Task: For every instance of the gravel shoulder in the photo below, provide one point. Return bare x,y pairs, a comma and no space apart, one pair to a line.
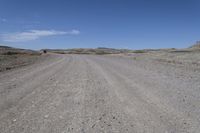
11,58
15,61
91,93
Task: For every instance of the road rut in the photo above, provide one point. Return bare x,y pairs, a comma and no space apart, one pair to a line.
89,93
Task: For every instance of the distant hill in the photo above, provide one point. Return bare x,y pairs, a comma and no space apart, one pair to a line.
4,47
100,50
196,46
6,50
13,57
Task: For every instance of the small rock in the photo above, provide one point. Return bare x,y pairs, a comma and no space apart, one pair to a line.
46,116
132,126
93,126
61,117
109,125
8,68
100,118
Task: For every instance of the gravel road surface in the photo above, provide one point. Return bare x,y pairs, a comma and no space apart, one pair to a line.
97,94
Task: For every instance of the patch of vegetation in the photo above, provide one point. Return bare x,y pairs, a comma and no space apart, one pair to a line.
180,51
10,53
139,51
59,52
20,53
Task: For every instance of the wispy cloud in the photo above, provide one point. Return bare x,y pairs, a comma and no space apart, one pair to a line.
3,20
34,34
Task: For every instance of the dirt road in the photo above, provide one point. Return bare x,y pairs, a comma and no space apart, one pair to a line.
92,94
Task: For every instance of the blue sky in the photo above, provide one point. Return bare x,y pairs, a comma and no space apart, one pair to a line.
134,24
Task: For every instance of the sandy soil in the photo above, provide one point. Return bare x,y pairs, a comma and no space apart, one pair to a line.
92,94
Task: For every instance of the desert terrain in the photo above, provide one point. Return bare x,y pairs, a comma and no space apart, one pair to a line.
143,91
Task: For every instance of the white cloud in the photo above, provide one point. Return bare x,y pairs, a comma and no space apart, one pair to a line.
34,34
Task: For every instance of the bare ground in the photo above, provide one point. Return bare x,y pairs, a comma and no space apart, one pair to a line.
11,58
91,94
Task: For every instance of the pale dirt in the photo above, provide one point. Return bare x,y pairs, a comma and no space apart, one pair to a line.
94,94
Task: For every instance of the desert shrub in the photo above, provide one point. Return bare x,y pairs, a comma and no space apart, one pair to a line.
59,52
139,51
10,53
44,51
